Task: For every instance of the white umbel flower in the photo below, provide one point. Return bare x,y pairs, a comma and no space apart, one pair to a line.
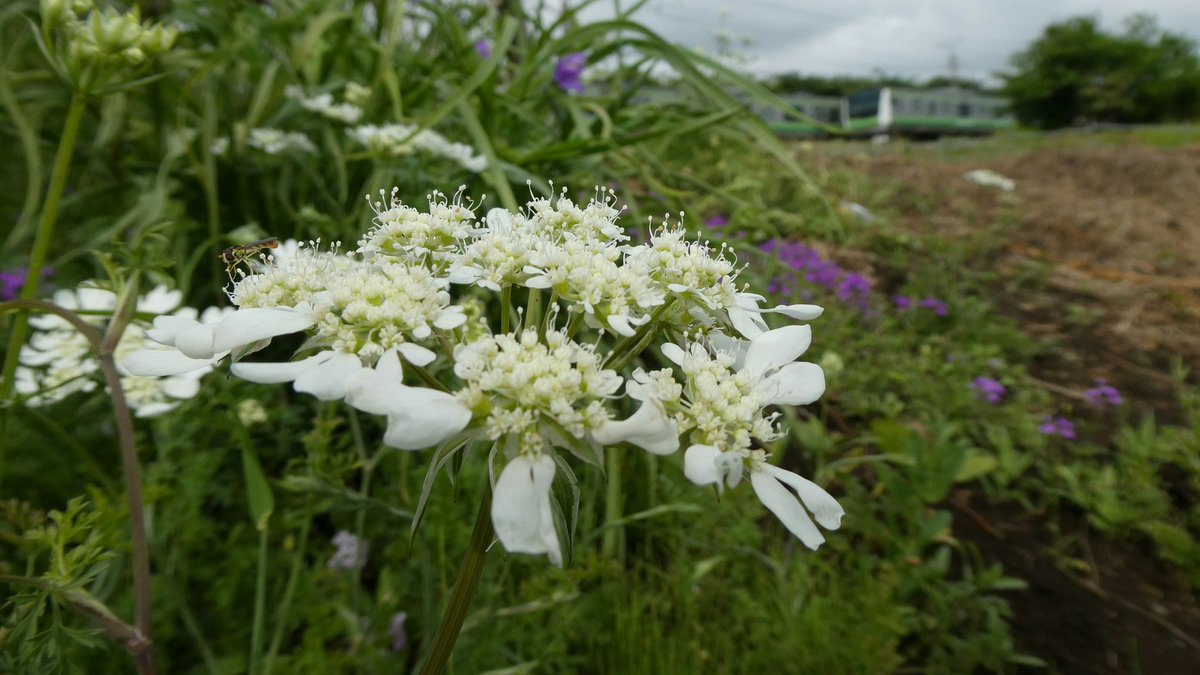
323,104
278,142
399,139
58,360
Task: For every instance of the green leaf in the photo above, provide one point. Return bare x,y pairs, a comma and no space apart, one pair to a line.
975,465
258,491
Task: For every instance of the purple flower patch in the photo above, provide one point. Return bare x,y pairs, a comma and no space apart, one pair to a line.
1058,426
484,49
852,289
397,632
716,222
1103,394
12,282
567,72
988,389
936,306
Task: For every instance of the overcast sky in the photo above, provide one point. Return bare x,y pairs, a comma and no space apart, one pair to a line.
913,38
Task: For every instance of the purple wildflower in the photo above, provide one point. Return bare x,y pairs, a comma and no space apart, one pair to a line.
988,389
1058,426
567,72
854,289
12,282
936,306
1103,394
484,49
903,303
397,633
351,553
716,222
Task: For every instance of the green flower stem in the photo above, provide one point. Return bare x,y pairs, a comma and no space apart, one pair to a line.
464,590
364,486
533,309
627,349
505,309
260,602
613,505
289,592
41,242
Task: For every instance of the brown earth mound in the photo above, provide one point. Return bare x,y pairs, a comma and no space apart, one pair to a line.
1111,234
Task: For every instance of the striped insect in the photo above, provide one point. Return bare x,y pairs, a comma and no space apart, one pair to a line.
245,253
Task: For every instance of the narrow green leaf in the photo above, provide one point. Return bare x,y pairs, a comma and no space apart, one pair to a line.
258,491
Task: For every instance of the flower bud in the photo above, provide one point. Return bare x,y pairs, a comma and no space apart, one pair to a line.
53,13
134,56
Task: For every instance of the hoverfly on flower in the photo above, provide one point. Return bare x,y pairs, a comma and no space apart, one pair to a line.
236,255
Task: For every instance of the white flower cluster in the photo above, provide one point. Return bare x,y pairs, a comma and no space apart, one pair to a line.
399,139
58,361
324,104
277,142
399,327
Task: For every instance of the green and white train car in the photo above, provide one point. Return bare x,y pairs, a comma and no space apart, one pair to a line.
824,111
921,112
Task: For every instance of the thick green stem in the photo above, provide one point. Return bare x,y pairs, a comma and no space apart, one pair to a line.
505,309
41,246
464,590
613,505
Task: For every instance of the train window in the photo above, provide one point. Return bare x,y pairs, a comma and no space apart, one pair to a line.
864,104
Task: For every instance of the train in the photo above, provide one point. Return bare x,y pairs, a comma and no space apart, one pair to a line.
891,110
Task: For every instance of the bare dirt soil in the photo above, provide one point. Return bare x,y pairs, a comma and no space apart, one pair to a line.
1098,251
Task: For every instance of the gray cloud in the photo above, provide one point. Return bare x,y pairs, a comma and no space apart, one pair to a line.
914,38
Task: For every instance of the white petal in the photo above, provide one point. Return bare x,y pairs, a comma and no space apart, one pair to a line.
197,342
274,373
540,281
416,354
649,428
464,275
327,380
258,323
776,347
620,324
799,312
167,328
389,365
700,465
453,317
824,507
181,387
427,418
674,352
159,300
159,362
724,343
521,510
373,392
749,324
797,383
785,507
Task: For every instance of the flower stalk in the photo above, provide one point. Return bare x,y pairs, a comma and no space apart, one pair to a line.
464,590
104,346
43,236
